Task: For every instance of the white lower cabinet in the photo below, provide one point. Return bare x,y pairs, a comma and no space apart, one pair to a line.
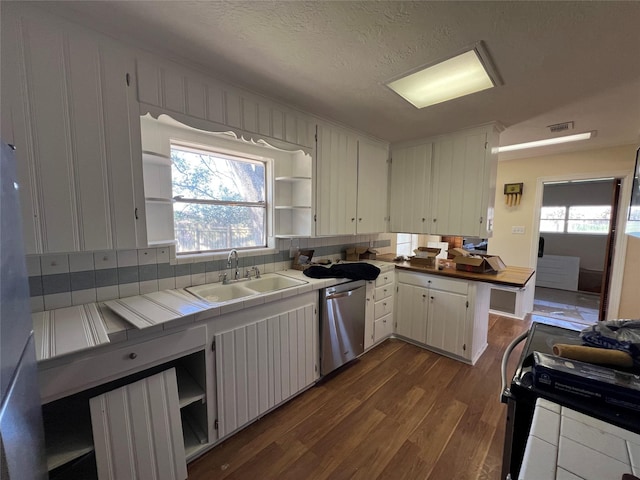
449,316
101,410
261,364
137,430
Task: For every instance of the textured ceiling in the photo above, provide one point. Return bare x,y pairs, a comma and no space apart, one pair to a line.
559,61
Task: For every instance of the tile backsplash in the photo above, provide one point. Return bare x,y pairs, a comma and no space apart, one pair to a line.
62,280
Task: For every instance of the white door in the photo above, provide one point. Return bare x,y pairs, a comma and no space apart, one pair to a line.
412,311
336,182
137,430
447,322
410,189
372,187
262,364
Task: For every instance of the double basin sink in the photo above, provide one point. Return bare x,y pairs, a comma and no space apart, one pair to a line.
218,293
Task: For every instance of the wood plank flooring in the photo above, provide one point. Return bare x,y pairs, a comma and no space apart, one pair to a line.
399,412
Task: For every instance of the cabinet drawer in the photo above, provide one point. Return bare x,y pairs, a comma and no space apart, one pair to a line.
383,327
384,278
383,307
434,282
91,370
384,292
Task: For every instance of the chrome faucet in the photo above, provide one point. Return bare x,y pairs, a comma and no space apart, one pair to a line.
233,254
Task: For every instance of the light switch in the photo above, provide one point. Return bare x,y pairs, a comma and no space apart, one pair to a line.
517,229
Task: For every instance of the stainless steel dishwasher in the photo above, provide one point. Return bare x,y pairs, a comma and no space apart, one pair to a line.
342,324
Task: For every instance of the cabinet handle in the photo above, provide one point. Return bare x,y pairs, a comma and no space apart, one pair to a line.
435,220
128,79
353,219
424,219
133,355
360,219
431,298
135,212
424,295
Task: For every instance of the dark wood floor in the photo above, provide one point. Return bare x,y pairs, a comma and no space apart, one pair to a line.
398,412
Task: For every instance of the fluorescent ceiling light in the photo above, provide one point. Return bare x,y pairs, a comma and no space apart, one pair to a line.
456,77
545,142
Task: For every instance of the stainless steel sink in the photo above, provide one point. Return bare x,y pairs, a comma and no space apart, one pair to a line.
218,293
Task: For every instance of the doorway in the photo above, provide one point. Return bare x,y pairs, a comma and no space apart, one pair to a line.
577,229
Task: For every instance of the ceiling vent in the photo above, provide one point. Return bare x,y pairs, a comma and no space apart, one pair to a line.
560,127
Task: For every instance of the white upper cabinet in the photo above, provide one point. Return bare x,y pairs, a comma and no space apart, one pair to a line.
372,187
411,188
463,184
336,181
77,136
445,185
351,183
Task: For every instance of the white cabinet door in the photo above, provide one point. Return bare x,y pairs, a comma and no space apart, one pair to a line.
459,189
447,322
412,312
75,139
336,182
262,364
137,430
410,189
372,187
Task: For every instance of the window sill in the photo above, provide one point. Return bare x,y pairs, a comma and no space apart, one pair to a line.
210,257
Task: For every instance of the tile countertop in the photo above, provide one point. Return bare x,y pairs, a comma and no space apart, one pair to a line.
72,329
566,445
511,276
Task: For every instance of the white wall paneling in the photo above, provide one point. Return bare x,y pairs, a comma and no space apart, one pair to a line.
174,88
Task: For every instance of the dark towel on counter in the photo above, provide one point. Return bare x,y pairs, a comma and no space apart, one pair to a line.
354,271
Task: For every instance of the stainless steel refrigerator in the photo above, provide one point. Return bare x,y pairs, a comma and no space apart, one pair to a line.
21,431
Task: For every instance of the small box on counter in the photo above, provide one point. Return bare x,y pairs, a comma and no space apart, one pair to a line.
355,254
591,383
302,259
425,256
475,263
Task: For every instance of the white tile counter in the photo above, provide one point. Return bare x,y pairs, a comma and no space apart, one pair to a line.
73,329
567,445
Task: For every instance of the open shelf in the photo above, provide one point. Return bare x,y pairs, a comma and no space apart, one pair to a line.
189,391
68,431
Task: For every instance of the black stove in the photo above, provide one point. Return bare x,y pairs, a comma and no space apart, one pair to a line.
521,395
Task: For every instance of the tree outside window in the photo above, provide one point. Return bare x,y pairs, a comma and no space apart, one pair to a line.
219,200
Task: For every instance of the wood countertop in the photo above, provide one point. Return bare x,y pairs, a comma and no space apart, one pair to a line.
511,276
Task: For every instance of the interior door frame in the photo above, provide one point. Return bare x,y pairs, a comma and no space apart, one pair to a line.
620,247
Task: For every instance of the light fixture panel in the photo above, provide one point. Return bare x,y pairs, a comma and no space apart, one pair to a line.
455,77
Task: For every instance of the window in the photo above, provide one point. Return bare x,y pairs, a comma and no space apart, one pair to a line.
576,219
552,219
593,220
219,200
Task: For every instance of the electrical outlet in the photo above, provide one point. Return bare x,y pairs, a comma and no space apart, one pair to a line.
517,229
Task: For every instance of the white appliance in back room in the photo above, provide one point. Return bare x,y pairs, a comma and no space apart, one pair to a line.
21,430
